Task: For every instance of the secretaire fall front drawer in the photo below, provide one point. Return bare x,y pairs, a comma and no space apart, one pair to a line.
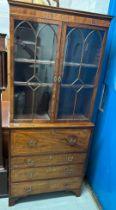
49,141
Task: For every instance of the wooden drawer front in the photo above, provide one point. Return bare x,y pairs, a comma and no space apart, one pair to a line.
47,160
29,188
49,140
18,175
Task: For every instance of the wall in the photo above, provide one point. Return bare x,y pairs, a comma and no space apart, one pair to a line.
97,6
4,17
102,160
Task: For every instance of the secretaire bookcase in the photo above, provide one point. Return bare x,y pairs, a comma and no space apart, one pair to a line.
55,58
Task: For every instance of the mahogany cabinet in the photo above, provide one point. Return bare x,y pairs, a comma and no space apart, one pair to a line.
3,85
55,60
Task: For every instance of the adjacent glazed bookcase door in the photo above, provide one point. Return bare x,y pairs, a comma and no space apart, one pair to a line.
82,52
35,52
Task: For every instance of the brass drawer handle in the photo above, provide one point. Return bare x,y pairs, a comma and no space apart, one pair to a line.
69,158
30,162
30,175
28,189
72,140
68,171
32,143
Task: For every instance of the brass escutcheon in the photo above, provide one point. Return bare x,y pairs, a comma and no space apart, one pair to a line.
72,140
28,189
69,158
29,162
30,175
32,143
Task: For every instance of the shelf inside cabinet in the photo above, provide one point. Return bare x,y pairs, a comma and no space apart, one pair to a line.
20,60
80,64
71,117
24,43
77,86
35,116
32,84
27,43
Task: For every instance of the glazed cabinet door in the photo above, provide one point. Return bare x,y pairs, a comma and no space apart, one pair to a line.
35,67
79,71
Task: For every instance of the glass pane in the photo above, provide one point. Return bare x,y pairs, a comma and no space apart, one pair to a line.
65,108
23,71
74,54
81,60
24,40
87,75
69,74
82,103
92,47
46,48
45,73
79,106
42,102
22,102
35,54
